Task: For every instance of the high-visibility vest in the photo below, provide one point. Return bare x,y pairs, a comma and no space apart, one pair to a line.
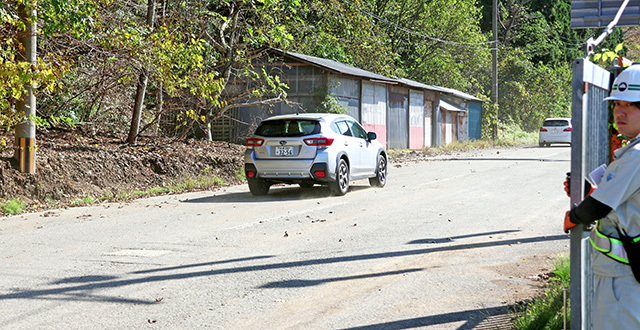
610,246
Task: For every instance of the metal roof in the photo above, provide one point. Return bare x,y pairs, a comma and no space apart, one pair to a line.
461,95
415,84
450,107
337,67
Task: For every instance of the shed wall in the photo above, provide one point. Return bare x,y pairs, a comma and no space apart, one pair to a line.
374,110
347,91
416,119
475,120
398,118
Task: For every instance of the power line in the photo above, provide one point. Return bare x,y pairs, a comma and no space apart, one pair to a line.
378,18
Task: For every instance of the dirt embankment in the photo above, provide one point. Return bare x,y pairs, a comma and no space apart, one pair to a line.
73,165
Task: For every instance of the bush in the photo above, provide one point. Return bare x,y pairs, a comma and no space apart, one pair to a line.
547,311
14,206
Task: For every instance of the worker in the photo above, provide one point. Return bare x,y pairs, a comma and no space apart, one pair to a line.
615,205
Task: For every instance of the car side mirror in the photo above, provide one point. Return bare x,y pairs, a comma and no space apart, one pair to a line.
371,136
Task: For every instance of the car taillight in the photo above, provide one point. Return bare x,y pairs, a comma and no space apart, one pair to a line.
253,142
542,129
568,129
322,142
319,174
251,174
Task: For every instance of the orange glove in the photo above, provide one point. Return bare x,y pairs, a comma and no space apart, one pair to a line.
567,223
588,186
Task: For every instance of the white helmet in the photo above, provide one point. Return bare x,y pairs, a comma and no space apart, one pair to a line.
626,87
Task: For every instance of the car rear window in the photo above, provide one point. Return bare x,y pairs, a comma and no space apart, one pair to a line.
294,127
555,123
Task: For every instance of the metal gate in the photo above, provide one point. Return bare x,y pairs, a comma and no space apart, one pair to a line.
590,148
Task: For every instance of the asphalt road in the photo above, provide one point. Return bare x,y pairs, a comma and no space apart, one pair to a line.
449,243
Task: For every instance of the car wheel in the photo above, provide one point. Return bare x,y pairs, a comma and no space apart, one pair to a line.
340,186
258,187
306,184
381,173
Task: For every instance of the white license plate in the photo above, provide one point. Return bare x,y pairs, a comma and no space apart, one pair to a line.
284,151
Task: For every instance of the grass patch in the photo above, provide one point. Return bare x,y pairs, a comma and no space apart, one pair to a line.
12,206
511,136
184,185
240,175
547,311
189,183
88,200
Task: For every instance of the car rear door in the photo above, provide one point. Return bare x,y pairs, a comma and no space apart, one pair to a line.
350,144
367,152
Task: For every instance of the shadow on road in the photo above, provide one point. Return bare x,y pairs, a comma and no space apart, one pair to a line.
305,283
507,159
84,291
276,194
449,239
474,320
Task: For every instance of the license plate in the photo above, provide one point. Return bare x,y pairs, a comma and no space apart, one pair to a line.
284,151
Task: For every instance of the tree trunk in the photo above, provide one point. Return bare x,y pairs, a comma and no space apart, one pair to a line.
137,108
142,84
159,110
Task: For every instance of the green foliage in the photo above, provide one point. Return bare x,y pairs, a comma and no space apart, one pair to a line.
13,206
529,93
54,16
438,42
341,31
330,104
547,311
605,57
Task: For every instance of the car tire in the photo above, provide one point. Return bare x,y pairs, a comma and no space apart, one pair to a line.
381,173
258,187
340,186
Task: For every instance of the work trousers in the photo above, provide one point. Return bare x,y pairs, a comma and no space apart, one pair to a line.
616,303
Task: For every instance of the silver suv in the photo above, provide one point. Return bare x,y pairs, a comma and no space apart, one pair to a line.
313,148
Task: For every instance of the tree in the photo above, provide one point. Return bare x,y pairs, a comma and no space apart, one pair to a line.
438,42
344,32
141,87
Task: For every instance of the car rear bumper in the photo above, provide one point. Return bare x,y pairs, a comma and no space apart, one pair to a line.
555,138
289,170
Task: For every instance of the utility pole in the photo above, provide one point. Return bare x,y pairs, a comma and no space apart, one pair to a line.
25,131
494,66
